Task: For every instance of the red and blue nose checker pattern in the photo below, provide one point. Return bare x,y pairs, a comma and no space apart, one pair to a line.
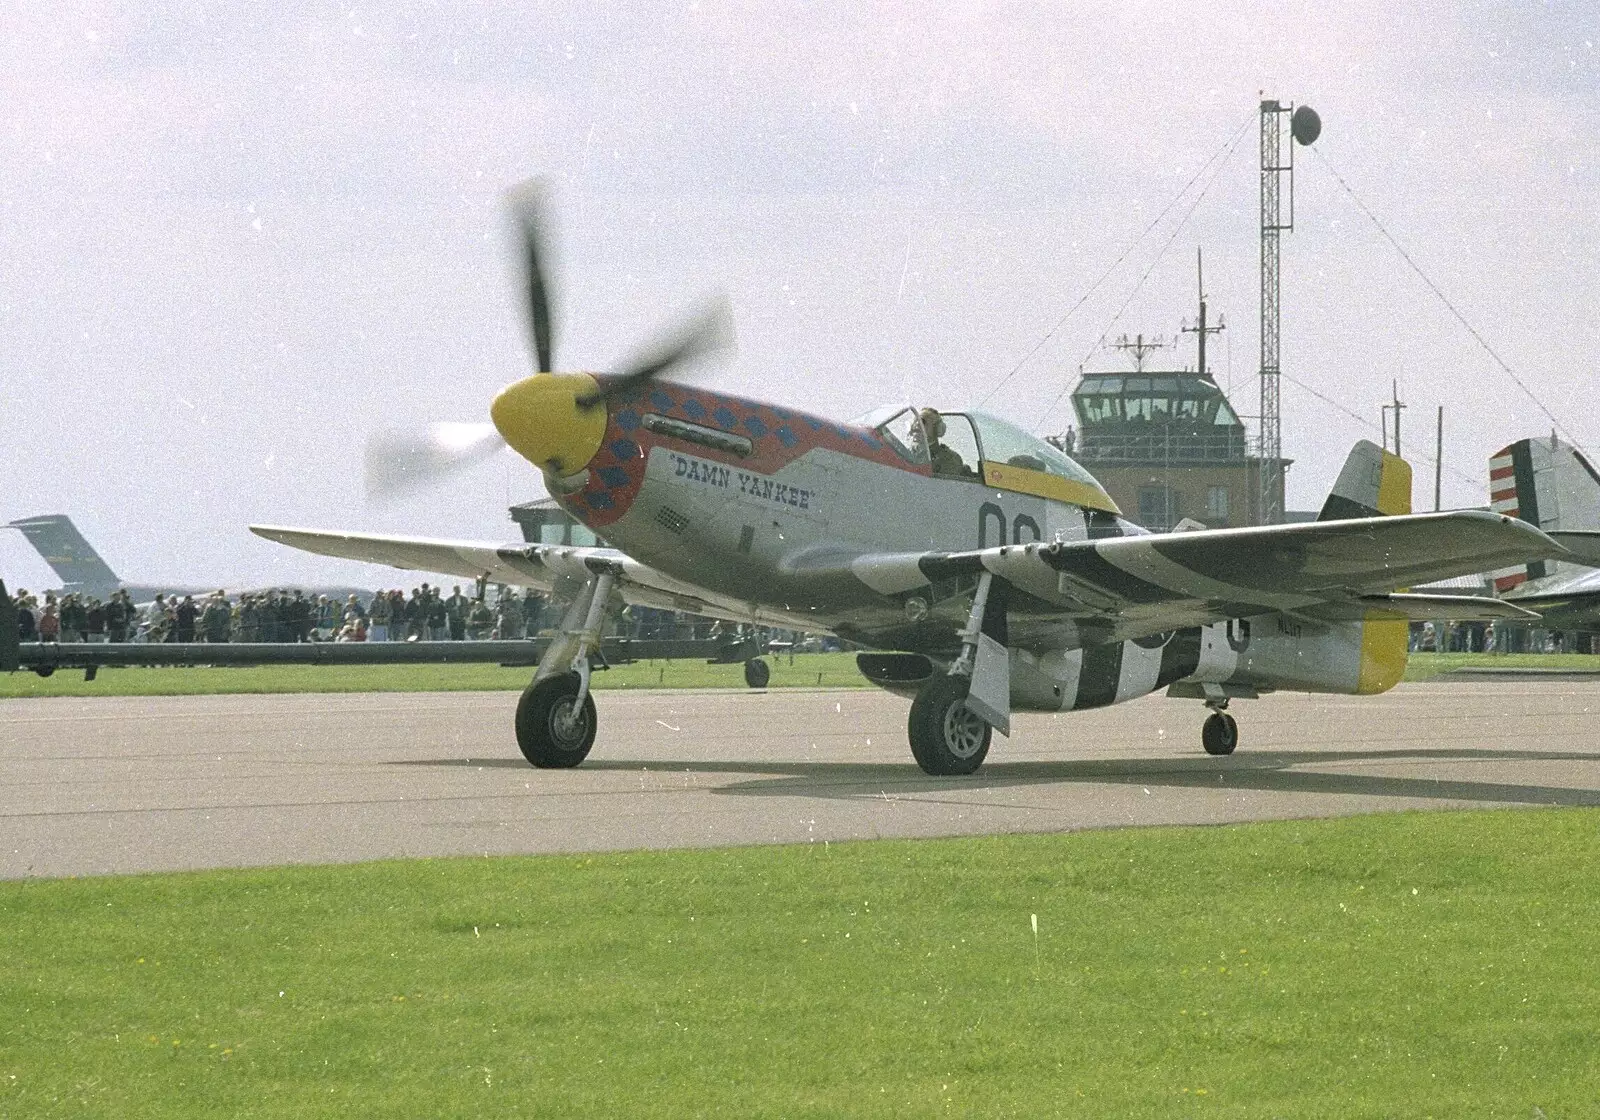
778,437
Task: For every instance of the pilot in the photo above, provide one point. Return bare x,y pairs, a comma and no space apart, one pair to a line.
946,460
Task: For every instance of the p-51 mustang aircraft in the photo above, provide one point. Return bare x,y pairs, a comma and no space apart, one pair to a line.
985,570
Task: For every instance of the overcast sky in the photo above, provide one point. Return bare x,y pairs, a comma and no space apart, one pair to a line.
237,237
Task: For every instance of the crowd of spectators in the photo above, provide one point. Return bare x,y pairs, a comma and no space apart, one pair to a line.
287,615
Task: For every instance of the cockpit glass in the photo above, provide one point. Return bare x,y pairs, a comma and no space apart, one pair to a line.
903,432
1006,443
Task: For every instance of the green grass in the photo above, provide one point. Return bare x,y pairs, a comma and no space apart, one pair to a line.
1425,666
828,670
1410,965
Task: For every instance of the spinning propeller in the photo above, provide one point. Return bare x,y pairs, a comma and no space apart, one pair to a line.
553,420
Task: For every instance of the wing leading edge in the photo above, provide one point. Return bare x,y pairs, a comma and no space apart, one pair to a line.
545,566
1128,587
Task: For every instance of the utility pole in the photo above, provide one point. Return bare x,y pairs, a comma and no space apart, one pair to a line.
1200,330
1395,406
1438,462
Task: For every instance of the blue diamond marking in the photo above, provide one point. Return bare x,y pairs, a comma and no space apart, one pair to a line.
600,500
725,417
613,477
627,419
786,437
624,449
814,424
782,413
755,427
661,400
693,409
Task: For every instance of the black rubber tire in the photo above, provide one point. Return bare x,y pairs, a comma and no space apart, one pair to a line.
946,738
757,673
1219,734
546,737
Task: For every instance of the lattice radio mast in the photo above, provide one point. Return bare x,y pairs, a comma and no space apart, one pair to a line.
1277,167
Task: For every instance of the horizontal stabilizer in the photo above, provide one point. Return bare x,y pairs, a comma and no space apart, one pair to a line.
1447,608
1584,544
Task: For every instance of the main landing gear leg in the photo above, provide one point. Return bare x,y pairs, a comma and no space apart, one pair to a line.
1220,732
947,737
556,719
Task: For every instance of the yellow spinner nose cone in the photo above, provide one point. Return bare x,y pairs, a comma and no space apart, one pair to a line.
541,419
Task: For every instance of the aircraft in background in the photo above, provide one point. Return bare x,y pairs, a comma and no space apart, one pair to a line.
1551,485
985,570
82,571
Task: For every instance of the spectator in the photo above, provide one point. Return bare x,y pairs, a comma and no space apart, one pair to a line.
95,621
437,617
510,616
455,613
214,619
119,615
74,619
185,616
49,624
27,623
479,620
301,617
380,618
417,615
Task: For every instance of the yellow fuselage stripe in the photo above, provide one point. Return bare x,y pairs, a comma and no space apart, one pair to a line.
1042,484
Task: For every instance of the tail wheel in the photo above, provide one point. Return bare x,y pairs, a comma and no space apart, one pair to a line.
757,673
1219,734
947,738
552,730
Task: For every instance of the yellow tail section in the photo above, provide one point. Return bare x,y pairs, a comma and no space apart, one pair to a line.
1384,641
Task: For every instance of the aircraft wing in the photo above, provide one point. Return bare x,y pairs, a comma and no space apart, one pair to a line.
544,566
1127,587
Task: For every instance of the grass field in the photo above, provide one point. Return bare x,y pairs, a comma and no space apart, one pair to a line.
836,670
1437,964
827,670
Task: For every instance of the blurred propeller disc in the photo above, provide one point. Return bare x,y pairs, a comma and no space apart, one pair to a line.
528,203
708,332
402,460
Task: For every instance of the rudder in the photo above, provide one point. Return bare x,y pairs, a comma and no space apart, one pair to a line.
56,538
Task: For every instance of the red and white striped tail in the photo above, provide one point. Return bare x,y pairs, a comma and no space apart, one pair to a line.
1503,500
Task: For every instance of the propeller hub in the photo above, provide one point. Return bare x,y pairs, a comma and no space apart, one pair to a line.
541,419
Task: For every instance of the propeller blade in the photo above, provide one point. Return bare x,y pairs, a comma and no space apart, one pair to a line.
403,460
709,332
528,203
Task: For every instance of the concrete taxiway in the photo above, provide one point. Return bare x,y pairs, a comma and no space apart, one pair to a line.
95,786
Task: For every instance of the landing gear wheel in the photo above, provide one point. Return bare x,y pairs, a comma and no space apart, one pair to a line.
946,738
757,673
550,732
1220,733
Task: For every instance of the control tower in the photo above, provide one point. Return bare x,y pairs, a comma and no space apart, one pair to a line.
1167,445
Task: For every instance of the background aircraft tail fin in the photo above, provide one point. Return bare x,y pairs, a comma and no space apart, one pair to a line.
1373,483
1550,485
57,539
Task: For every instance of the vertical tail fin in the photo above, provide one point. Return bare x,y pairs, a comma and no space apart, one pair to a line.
1373,483
1548,484
57,539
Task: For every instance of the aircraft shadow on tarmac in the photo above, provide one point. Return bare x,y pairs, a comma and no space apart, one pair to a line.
1265,771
